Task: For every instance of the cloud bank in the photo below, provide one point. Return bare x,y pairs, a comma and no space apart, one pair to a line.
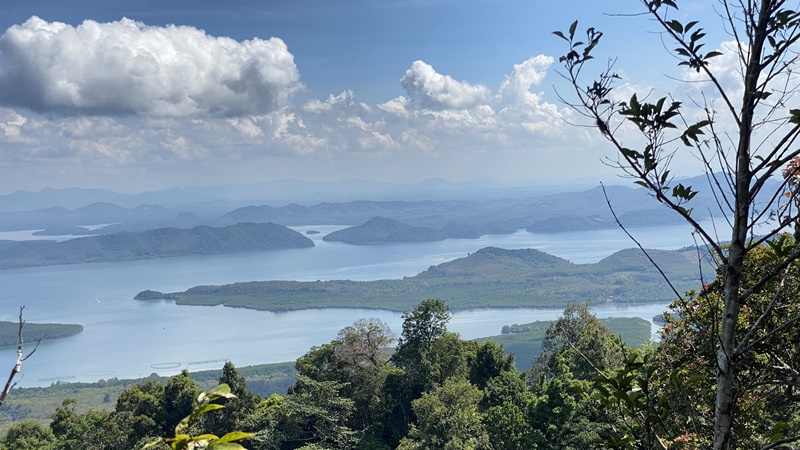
127,67
126,96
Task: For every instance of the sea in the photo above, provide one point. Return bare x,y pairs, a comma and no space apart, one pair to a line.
126,338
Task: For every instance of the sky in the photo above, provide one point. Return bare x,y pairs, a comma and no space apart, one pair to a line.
139,95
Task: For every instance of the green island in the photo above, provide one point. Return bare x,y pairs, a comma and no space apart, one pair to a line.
158,243
32,332
490,277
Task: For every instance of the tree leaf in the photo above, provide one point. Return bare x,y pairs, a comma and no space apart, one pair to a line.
235,436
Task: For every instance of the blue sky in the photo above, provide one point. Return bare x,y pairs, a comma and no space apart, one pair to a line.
137,95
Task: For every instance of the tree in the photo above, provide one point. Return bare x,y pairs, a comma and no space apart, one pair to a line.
560,416
180,394
357,359
28,435
741,147
91,431
448,418
140,408
490,362
314,412
769,370
582,341
205,402
237,406
422,326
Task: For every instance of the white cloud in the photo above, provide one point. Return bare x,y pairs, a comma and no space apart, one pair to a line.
126,67
343,103
435,91
448,114
396,106
516,87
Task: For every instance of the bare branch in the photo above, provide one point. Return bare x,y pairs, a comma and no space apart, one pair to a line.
10,384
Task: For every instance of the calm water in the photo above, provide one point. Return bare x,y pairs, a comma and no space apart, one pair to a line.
125,338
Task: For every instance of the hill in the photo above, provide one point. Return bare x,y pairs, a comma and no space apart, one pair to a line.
158,243
382,230
490,277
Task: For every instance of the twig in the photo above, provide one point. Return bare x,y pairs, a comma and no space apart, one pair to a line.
616,219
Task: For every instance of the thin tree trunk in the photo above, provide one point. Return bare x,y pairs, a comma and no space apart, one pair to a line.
726,374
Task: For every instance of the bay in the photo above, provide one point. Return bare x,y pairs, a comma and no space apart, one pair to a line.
125,338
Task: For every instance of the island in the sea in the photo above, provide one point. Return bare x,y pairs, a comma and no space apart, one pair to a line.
158,243
489,278
380,230
33,332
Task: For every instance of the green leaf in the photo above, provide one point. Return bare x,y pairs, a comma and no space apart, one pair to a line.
761,94
670,3
221,391
235,436
561,35
572,29
794,115
153,444
777,431
224,446
675,26
205,437
208,408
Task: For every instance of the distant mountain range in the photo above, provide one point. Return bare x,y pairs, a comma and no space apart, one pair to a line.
489,211
281,192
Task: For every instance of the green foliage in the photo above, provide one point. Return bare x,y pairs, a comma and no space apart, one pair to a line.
313,412
582,341
237,406
205,404
490,362
525,341
39,403
28,435
357,359
560,416
448,418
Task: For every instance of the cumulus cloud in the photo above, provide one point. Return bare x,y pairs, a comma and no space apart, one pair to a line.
126,67
457,114
433,90
344,103
516,87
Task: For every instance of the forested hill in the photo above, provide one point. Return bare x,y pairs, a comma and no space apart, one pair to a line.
380,230
159,243
490,277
